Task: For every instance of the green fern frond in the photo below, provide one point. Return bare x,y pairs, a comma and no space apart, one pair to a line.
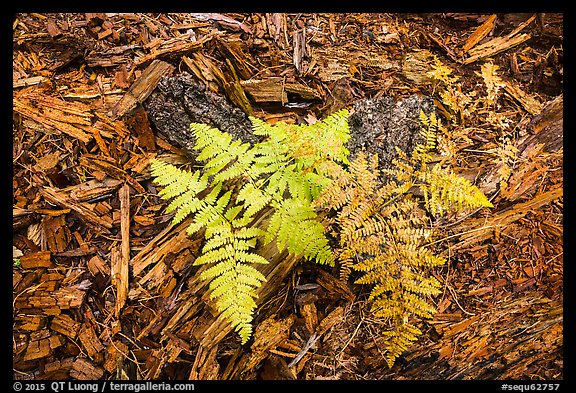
283,173
294,227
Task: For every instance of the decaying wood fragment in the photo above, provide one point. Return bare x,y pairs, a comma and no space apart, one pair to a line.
89,339
479,229
116,352
53,302
25,82
528,102
268,334
111,57
176,46
299,45
275,90
109,166
54,114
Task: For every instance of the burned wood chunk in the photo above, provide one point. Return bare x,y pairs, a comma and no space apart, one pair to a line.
376,124
180,100
380,125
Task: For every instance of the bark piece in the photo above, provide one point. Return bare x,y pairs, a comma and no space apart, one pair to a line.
82,369
36,260
44,347
65,325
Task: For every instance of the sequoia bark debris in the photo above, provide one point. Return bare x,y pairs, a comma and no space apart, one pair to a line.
376,125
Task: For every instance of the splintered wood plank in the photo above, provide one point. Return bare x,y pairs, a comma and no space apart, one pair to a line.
266,90
334,286
57,233
232,51
51,303
29,322
89,339
170,240
25,82
205,70
97,265
205,366
172,47
499,44
528,102
482,31
120,264
481,229
299,44
110,167
54,115
141,125
94,188
116,352
83,209
268,335
141,88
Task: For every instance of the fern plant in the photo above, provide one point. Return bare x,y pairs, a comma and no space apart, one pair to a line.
283,174
383,232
